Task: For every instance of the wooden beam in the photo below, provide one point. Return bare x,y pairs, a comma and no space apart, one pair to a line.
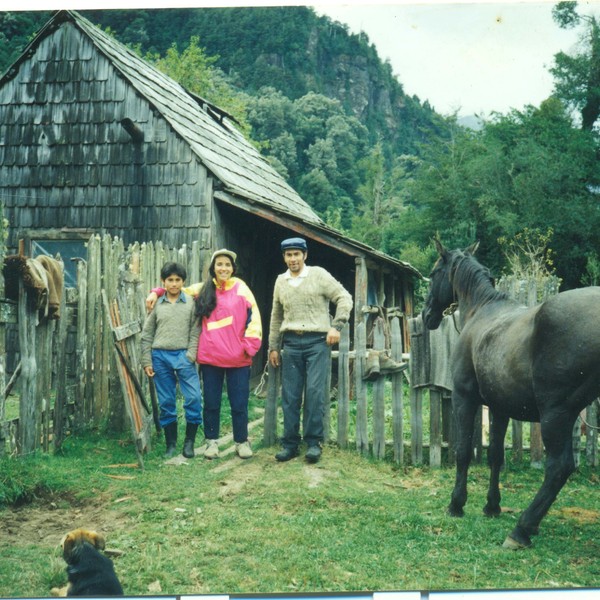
360,290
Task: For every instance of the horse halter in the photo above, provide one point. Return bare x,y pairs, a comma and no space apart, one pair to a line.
450,311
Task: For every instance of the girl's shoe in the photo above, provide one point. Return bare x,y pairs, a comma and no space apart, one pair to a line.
243,449
212,449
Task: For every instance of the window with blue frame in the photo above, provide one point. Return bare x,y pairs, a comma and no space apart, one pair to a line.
69,250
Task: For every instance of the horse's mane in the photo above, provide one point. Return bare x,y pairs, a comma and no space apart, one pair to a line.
473,279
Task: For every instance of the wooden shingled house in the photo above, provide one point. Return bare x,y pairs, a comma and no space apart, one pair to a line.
93,139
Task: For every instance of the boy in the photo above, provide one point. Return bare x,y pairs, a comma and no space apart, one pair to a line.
169,347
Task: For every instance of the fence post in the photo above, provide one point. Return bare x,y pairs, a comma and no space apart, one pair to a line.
591,434
397,394
435,428
517,440
360,346
60,400
270,422
28,429
343,400
379,395
536,446
81,349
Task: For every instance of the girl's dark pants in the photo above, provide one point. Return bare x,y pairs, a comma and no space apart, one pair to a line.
238,391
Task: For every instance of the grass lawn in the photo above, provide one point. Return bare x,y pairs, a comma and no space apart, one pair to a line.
347,523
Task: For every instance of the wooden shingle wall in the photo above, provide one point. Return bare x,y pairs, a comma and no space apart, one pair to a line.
67,161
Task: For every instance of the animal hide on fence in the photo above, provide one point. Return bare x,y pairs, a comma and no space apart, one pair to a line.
43,277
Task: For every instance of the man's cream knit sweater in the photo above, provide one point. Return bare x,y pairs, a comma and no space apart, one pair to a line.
305,307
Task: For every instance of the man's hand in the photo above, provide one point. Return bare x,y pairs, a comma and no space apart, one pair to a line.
151,299
274,358
333,337
149,371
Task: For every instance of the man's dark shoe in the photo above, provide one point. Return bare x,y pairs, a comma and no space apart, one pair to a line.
313,454
286,454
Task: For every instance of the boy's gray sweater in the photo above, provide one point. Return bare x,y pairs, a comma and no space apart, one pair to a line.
170,326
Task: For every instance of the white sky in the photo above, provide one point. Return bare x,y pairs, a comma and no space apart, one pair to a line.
465,57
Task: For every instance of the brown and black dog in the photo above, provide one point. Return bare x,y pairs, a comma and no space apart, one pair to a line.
90,573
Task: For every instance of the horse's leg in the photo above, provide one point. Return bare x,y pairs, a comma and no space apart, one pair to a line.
557,436
464,416
498,425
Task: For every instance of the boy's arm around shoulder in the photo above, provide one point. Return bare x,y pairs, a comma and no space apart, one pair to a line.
193,338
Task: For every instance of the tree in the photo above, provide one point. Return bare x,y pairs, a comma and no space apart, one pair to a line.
316,145
195,71
529,169
577,77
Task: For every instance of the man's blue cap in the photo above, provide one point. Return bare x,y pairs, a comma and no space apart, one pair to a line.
294,244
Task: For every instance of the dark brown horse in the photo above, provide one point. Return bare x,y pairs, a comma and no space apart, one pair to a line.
530,364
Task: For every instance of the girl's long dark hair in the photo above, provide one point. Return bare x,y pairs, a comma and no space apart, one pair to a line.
206,300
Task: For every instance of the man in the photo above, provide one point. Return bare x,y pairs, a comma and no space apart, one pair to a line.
300,339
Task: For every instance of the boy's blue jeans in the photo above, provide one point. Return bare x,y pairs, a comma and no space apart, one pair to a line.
238,391
170,367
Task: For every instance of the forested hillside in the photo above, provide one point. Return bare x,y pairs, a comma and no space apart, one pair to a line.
292,50
380,165
316,99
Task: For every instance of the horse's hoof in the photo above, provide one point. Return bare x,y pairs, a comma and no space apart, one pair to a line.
456,512
511,544
491,512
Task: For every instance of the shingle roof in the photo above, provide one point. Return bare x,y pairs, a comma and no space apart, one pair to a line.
220,147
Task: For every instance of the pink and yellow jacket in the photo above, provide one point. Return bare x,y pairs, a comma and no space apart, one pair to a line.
232,334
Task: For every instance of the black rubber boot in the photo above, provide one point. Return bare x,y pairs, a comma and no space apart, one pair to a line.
190,438
171,439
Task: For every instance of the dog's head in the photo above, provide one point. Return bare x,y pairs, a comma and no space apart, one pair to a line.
74,540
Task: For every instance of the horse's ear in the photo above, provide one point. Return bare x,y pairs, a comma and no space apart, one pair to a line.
472,248
439,246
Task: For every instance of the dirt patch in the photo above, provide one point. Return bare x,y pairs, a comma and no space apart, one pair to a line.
243,473
581,515
47,520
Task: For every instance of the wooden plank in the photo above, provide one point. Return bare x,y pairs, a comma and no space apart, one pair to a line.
397,394
327,402
81,344
3,384
478,436
27,437
270,426
517,439
360,292
127,330
343,400
435,428
360,344
44,332
379,396
591,434
89,411
60,401
448,426
416,423
536,446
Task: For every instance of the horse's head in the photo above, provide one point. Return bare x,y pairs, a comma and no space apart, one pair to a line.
441,289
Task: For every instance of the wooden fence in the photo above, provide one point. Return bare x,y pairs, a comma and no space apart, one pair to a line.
379,408
70,372
80,380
